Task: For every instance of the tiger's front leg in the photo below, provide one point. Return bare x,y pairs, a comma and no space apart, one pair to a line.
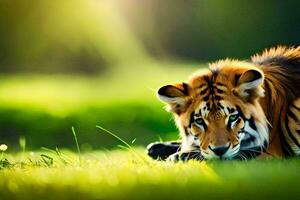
171,151
186,156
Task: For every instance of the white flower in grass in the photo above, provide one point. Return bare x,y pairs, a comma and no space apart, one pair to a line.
3,147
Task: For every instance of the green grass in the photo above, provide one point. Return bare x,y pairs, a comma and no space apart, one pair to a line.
43,108
63,94
119,174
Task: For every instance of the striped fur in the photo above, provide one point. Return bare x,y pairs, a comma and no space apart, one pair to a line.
240,109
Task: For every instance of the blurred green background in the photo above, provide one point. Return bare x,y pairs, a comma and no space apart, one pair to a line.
84,63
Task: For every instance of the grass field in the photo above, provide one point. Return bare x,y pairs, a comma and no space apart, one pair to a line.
120,174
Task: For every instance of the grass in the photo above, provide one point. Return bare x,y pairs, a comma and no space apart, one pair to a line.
118,174
43,108
77,145
130,174
62,94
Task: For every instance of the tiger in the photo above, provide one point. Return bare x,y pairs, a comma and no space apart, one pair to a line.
236,109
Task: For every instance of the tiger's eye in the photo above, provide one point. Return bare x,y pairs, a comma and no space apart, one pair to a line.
200,122
233,118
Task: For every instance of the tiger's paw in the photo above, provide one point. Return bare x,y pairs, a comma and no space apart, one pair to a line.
162,150
185,156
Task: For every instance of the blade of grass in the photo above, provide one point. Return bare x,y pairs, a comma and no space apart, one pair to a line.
63,157
47,160
127,146
160,139
114,135
60,156
133,141
122,147
77,145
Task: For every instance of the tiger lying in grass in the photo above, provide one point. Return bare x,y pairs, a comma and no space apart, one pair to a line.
236,109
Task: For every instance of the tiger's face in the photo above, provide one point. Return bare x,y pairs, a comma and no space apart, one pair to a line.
218,111
218,130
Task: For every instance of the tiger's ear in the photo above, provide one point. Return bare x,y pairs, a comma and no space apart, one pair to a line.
175,96
249,85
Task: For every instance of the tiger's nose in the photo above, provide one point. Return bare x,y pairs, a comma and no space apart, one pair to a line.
220,150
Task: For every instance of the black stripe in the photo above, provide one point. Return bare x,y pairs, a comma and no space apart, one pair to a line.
220,105
208,106
186,131
294,106
218,98
204,126
185,88
240,112
204,91
265,145
228,127
252,123
202,85
228,110
290,133
285,145
268,91
220,84
206,98
236,79
206,78
220,91
292,115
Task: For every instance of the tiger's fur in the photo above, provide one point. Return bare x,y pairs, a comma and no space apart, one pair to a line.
239,109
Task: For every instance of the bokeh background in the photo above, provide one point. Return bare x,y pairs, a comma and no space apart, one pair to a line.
84,63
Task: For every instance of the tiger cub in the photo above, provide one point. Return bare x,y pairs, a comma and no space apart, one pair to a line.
236,109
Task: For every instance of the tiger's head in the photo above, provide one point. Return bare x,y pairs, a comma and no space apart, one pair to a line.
218,111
